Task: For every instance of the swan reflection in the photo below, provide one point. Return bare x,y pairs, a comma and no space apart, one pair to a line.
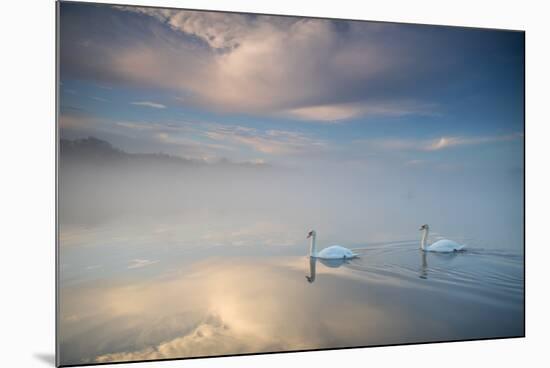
442,258
424,266
332,263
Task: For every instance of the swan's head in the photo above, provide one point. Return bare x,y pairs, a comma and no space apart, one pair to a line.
310,234
424,227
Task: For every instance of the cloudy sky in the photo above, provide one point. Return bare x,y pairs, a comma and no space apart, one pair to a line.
288,90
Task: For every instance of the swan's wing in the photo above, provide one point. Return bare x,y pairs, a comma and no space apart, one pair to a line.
335,251
329,252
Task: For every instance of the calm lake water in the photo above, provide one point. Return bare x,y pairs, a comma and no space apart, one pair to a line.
147,289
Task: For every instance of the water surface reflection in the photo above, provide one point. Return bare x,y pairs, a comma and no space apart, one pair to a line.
333,263
231,305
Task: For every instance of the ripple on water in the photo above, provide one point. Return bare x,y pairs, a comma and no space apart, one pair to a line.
487,275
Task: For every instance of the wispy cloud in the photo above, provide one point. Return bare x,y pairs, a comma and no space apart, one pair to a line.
93,267
436,144
415,162
148,104
134,126
207,140
155,126
139,263
277,142
448,142
339,112
196,140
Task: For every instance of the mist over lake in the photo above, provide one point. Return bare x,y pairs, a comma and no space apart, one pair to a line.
354,203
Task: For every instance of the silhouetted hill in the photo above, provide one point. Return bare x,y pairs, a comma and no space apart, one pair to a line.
89,149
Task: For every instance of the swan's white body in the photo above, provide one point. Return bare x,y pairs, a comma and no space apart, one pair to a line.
335,252
440,246
332,252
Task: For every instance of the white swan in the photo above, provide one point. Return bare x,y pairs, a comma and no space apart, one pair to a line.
440,246
332,252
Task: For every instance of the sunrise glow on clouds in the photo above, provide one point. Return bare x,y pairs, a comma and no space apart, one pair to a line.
279,89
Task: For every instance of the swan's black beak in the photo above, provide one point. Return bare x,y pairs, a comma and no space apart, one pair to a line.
309,235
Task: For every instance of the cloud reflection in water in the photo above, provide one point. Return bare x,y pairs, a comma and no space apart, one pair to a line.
225,307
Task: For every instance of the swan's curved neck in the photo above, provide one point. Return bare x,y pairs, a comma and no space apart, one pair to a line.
424,238
312,247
